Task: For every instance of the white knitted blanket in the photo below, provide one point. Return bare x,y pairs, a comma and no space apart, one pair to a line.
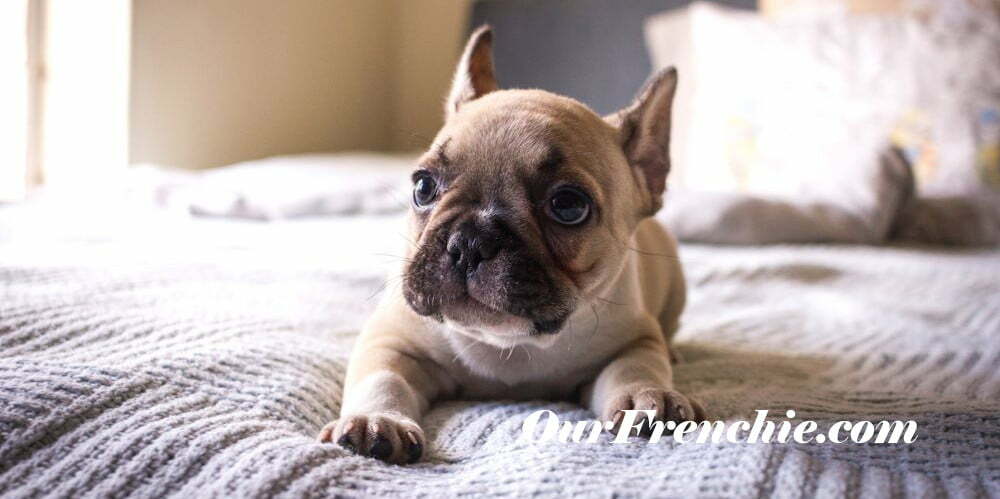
202,360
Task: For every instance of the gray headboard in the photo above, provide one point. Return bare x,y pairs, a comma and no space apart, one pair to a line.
592,50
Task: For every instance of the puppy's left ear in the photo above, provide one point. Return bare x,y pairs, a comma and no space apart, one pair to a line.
644,131
474,76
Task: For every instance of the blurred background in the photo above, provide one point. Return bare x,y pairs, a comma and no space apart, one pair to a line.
204,84
776,98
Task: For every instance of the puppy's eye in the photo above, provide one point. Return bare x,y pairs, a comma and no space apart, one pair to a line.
425,189
569,206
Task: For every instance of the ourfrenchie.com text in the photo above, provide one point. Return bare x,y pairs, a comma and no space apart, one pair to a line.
545,426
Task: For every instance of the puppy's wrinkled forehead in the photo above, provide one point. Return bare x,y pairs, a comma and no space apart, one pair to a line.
521,132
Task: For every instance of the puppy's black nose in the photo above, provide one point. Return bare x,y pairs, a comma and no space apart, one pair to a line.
468,246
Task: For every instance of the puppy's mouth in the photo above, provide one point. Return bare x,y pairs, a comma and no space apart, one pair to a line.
471,311
464,306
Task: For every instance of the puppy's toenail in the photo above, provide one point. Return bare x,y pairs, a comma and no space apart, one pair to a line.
382,448
325,435
414,450
615,421
345,442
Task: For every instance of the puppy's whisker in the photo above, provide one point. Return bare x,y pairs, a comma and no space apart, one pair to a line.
403,202
380,290
395,257
609,302
597,319
392,280
406,238
376,292
462,351
626,247
415,139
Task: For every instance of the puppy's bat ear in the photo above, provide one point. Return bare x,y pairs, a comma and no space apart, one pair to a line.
474,76
644,129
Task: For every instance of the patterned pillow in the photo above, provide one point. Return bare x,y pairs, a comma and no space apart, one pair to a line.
800,105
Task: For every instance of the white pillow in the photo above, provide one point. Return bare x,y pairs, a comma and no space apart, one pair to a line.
293,186
772,107
801,107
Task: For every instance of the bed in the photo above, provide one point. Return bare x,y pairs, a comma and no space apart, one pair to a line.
195,345
147,354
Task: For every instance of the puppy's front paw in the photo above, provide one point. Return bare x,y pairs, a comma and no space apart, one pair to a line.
389,437
669,405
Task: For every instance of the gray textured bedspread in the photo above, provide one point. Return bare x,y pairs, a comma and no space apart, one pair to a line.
198,362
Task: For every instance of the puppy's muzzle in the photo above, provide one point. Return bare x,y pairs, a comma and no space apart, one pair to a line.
469,245
476,268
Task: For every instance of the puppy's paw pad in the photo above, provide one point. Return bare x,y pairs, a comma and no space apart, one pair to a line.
676,407
387,437
666,404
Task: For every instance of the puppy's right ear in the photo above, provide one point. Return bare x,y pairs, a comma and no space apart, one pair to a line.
474,76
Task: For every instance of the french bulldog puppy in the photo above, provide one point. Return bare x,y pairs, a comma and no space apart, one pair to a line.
534,269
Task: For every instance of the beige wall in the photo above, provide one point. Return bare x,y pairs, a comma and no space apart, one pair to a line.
429,38
219,81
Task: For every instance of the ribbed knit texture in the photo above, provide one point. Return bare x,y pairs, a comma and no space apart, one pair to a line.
210,372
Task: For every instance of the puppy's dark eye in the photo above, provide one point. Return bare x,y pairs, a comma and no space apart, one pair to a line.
569,206
425,189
